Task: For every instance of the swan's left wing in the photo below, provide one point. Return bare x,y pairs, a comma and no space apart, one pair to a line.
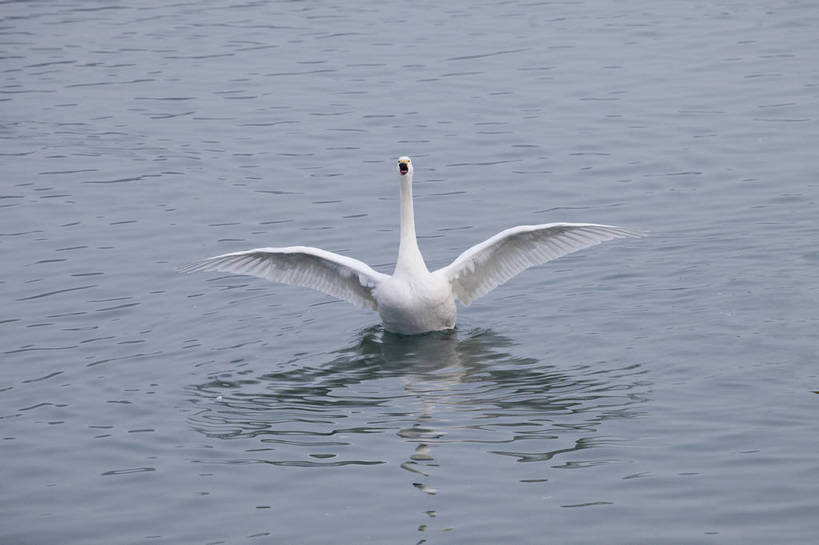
481,268
327,272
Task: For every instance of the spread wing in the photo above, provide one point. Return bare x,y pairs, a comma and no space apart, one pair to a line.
489,264
327,272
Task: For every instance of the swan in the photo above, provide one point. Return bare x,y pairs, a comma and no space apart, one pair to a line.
414,300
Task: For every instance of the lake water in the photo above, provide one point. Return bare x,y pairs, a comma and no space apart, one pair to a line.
646,391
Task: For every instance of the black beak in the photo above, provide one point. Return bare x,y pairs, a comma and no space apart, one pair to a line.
403,167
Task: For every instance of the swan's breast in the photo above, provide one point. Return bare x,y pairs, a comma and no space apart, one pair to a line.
416,305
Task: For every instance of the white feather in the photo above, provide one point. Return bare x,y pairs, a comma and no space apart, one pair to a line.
327,272
489,264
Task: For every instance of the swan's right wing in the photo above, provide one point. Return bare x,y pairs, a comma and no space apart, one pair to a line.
327,272
481,268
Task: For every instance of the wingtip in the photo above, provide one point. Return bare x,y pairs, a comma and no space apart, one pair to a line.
188,268
617,232
632,233
624,232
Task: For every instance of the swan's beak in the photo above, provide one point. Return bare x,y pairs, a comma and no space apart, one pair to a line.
403,166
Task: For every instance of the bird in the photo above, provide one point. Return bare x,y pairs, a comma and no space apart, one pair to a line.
413,300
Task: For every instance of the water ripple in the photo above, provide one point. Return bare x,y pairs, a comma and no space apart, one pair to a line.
56,292
430,392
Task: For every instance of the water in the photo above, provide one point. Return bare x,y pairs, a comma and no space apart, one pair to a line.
660,390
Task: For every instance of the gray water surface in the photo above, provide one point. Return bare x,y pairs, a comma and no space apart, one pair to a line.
654,390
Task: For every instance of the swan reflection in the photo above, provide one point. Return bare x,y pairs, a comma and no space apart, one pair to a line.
434,405
431,390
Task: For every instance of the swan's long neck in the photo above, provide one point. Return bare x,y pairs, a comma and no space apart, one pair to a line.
409,256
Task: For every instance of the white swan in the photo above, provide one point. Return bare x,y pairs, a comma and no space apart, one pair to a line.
413,300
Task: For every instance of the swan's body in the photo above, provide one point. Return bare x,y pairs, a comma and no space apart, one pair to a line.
414,300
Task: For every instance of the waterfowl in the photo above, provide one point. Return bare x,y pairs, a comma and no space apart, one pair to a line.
413,300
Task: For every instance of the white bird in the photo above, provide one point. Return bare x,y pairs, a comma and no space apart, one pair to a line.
414,300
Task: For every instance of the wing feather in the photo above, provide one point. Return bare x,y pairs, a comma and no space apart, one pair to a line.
489,264
327,272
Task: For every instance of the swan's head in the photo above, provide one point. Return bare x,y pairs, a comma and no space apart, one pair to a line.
404,166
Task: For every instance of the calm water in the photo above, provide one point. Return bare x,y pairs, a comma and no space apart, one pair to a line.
660,390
